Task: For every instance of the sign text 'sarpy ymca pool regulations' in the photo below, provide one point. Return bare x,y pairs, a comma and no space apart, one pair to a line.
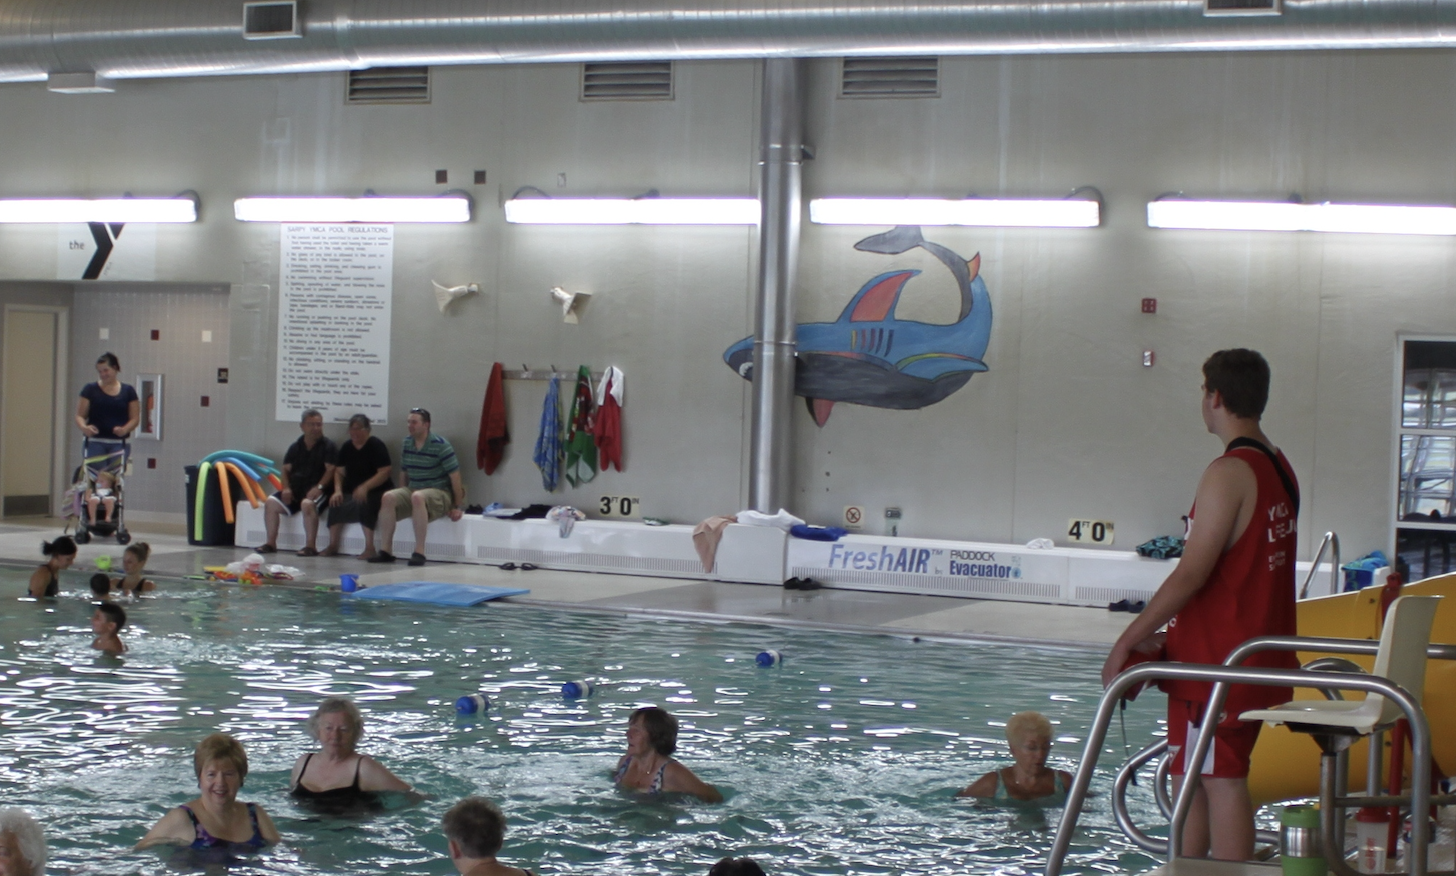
333,321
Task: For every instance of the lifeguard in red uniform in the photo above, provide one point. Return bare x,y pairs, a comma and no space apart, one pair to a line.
1235,581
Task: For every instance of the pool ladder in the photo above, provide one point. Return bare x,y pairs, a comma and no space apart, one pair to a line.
1127,775
1328,675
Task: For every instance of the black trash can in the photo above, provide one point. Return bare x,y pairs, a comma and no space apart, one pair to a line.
215,528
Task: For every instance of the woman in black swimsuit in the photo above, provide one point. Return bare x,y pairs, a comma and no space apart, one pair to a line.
338,776
46,580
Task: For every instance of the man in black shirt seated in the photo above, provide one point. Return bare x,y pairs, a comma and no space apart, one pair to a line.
308,477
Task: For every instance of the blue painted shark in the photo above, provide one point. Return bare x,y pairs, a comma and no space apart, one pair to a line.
869,357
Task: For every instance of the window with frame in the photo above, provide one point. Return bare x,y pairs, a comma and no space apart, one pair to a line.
1425,517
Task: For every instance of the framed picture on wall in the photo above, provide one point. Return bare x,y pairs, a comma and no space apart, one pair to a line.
149,392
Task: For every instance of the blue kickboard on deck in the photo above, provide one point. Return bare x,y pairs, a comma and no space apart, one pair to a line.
438,593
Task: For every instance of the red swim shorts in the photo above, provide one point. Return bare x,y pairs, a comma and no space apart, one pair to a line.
1233,741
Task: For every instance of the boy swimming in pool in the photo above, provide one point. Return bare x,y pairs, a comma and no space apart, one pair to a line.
1030,736
106,623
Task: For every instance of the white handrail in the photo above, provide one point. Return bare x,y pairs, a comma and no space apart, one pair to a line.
1329,539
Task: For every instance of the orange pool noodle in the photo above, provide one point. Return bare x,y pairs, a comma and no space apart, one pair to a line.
227,496
229,468
255,492
251,491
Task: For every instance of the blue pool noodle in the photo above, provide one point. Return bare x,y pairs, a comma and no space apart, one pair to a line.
242,466
260,463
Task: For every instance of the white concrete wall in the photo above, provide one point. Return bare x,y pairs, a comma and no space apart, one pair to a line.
1066,422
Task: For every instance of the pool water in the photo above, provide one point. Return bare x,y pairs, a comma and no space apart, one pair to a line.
843,760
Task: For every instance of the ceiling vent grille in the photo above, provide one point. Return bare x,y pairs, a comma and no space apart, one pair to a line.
1214,8
390,85
271,20
890,77
634,80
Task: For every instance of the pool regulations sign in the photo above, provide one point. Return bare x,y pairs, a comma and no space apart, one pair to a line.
336,285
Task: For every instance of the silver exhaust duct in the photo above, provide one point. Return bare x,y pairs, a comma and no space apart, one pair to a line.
780,189
121,39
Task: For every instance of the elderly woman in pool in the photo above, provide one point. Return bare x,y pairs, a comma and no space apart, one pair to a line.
216,820
1030,736
648,765
22,844
337,775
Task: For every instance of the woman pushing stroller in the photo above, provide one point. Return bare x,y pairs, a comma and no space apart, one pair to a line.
106,413
108,410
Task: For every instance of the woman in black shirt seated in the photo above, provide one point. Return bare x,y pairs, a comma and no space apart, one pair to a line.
361,479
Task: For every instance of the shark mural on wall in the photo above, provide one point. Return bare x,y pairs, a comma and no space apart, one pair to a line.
869,357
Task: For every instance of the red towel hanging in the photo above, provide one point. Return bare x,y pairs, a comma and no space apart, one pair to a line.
607,429
490,445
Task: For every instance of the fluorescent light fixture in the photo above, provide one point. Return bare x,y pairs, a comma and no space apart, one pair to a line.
635,211
444,208
114,210
1005,212
1286,216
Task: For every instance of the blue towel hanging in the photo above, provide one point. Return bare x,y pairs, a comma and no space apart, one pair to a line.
548,443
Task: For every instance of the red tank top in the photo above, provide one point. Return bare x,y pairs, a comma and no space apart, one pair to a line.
1249,593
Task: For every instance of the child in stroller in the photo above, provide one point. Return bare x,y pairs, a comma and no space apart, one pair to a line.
103,494
101,482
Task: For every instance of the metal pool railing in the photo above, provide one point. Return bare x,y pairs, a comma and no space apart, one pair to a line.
1222,676
1330,540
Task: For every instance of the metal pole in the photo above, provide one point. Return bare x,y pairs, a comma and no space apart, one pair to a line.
781,150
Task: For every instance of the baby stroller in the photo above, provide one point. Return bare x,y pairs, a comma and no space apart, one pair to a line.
102,474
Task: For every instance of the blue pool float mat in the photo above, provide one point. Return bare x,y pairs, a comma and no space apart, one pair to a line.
438,593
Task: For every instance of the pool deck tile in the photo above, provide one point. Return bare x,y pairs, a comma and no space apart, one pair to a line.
858,610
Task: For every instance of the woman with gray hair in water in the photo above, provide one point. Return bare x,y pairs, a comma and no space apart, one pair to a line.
22,844
337,776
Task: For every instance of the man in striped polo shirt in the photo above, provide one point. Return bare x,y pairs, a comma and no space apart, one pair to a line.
432,488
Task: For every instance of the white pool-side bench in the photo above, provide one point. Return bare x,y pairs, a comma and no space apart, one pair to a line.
766,555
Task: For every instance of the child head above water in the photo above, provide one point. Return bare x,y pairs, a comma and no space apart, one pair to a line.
108,619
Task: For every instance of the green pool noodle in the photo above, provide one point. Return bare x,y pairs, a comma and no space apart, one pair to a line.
202,471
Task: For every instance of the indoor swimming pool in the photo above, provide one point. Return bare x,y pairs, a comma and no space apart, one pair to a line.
843,760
